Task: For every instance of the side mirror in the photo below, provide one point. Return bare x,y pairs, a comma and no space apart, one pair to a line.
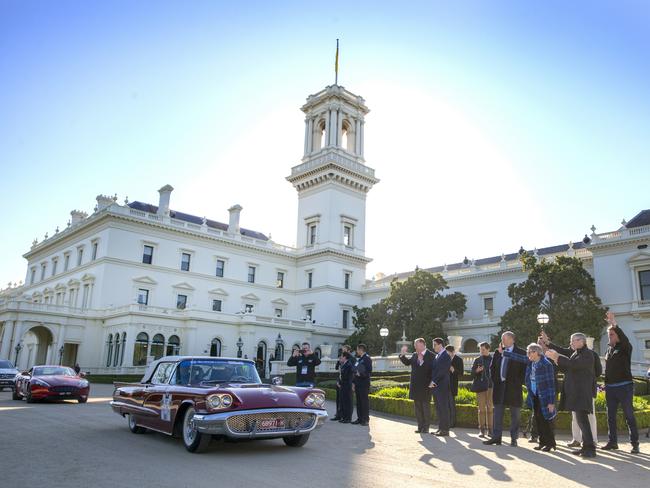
277,380
25,373
82,375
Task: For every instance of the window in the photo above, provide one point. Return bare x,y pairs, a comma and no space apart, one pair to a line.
278,312
647,344
55,262
216,305
644,283
143,296
43,269
116,356
147,254
310,279
66,262
346,281
85,302
311,240
280,281
347,235
221,264
32,277
346,319
309,314
185,261
94,251
123,348
80,256
248,308
140,349
488,305
181,302
162,373
109,347
158,346
173,346
251,274
215,347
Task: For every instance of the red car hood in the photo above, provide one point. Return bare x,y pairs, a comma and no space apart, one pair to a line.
268,396
60,380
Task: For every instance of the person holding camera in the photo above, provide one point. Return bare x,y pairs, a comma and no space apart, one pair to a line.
482,386
305,362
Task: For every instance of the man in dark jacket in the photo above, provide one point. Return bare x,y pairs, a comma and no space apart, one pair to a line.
361,382
345,348
619,387
440,385
344,387
507,378
421,362
455,374
305,362
579,379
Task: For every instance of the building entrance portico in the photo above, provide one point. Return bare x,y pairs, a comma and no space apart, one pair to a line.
36,346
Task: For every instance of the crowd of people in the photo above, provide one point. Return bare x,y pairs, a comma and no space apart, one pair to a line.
497,380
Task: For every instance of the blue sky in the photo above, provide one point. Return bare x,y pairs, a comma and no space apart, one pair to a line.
492,125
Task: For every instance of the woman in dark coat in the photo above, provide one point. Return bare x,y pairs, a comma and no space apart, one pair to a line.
346,372
421,362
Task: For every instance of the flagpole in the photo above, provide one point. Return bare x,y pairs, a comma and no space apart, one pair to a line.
336,64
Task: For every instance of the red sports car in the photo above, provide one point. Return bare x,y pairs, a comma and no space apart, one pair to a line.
51,382
197,398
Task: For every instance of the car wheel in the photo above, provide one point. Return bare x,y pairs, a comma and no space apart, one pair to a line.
82,400
15,395
194,441
296,440
135,428
29,397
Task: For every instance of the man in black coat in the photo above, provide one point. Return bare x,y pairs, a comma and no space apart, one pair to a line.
361,382
440,385
305,362
579,378
344,387
455,374
337,367
421,362
507,377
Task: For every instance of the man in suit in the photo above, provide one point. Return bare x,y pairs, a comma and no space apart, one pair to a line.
455,373
440,386
361,385
507,377
345,348
344,387
421,362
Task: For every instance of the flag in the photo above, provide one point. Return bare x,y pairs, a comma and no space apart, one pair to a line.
336,64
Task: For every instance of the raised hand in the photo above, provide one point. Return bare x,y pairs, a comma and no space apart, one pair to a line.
544,337
405,349
552,355
551,407
500,348
611,319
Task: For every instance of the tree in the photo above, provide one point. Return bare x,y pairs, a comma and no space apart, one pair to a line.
417,307
563,290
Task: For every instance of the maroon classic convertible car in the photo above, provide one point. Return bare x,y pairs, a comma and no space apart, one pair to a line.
199,397
51,383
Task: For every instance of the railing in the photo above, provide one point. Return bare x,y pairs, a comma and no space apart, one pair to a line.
621,233
334,156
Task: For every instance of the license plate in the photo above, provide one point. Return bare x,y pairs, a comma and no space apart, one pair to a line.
272,424
65,393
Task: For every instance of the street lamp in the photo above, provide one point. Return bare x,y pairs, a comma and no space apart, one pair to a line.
383,332
18,348
61,349
542,320
278,344
239,345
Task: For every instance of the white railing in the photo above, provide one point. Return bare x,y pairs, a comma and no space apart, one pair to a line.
621,233
331,155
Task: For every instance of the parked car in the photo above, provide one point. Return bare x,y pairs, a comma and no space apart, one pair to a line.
196,398
51,382
8,374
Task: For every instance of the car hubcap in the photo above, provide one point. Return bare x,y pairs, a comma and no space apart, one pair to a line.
189,432
132,422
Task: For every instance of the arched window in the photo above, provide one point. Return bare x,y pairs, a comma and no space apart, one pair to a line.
116,356
279,352
109,347
158,346
173,346
347,136
140,349
318,138
318,352
215,347
470,345
123,347
260,358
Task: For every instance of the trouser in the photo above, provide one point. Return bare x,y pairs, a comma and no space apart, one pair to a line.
575,429
587,439
485,410
442,410
515,413
622,395
345,402
363,404
338,402
423,413
544,427
452,410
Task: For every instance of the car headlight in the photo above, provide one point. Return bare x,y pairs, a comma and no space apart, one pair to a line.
219,401
315,400
83,384
40,383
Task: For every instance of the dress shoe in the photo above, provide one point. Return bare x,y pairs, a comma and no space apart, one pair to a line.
549,448
513,442
442,433
493,441
532,439
344,421
356,422
579,452
573,444
334,419
363,424
635,449
539,448
610,446
589,454
418,431
482,435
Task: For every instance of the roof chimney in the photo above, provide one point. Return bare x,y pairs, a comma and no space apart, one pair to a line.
163,202
233,223
77,216
103,201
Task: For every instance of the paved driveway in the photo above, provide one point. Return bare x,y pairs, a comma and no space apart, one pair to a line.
69,445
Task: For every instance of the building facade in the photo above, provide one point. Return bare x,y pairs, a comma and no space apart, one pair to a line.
134,281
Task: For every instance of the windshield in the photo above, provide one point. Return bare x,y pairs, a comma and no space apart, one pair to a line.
213,371
53,370
6,365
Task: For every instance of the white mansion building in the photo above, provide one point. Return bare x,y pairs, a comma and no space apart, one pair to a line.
136,281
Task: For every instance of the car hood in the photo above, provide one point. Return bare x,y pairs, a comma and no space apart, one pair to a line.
8,371
56,380
268,396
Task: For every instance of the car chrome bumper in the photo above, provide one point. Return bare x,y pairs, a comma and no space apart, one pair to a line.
217,423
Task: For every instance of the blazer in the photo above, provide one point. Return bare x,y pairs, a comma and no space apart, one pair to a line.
544,380
459,368
508,392
421,375
579,378
346,373
441,363
362,371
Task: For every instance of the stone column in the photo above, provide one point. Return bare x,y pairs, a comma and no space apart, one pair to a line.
328,134
60,342
361,139
131,334
7,330
310,136
357,136
339,128
306,136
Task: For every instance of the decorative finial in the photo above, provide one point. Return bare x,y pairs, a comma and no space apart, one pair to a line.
34,242
115,197
56,231
503,257
465,261
624,223
45,236
69,223
570,244
586,239
444,269
204,221
126,200
593,229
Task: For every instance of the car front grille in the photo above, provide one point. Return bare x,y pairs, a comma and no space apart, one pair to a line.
243,424
63,389
7,376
